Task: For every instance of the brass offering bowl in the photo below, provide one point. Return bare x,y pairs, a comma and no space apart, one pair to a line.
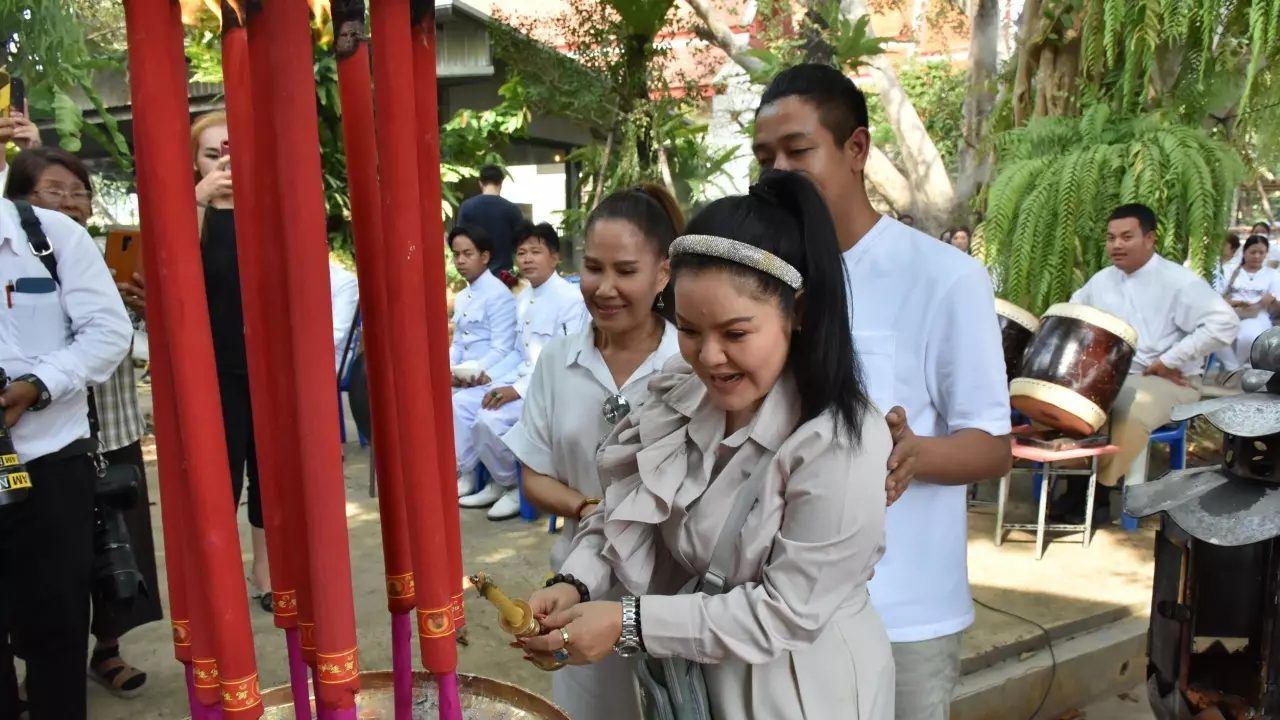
482,699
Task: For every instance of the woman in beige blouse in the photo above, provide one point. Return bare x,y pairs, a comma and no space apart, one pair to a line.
765,410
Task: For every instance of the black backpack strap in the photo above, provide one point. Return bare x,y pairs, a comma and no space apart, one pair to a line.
36,239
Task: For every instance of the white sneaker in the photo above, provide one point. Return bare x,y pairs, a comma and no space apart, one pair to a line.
467,482
507,507
486,497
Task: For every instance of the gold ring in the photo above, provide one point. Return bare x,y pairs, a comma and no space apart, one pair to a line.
564,635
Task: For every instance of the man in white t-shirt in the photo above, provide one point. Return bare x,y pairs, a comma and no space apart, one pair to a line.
925,329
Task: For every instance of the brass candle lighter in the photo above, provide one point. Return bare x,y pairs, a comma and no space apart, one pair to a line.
514,616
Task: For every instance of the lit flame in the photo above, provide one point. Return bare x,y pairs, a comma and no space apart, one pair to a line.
192,9
320,12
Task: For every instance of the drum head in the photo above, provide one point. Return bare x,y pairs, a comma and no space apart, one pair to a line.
1006,309
1049,414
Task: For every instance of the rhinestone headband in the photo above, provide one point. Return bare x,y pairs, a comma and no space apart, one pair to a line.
741,253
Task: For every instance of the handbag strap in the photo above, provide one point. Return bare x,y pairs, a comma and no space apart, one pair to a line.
715,581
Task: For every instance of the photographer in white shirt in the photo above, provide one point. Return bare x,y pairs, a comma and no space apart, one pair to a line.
57,336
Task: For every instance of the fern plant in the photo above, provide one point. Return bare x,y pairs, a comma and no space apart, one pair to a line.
1044,233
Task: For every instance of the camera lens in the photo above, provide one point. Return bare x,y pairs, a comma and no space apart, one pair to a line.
15,481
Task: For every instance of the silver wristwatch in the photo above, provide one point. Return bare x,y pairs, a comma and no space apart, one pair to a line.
628,644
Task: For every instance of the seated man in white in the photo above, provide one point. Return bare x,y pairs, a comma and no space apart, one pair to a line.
484,340
344,296
1180,320
552,307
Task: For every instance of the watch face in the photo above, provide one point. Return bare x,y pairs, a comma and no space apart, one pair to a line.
627,650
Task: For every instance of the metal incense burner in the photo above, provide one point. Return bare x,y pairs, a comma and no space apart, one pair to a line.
514,616
482,699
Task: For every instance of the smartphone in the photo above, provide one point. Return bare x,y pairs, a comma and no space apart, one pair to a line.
17,95
124,253
226,151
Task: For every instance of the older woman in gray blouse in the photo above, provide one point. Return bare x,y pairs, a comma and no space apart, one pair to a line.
758,460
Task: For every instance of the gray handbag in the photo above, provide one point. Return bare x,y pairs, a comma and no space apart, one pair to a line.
674,688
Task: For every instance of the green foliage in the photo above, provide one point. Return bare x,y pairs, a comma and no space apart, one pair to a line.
1059,178
48,44
619,84
472,139
826,34
936,89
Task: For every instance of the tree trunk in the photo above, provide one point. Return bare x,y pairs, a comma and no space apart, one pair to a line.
931,188
973,162
1266,203
884,177
1028,44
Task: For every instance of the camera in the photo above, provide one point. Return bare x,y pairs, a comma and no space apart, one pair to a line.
15,481
116,578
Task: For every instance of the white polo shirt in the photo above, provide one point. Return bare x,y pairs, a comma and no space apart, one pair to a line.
69,335
924,324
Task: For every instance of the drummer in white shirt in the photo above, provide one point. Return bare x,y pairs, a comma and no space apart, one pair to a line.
484,338
925,329
552,307
1251,289
1179,320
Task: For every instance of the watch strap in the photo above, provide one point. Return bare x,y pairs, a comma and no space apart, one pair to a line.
43,396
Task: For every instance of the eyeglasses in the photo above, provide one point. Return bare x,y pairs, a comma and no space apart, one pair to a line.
59,195
616,408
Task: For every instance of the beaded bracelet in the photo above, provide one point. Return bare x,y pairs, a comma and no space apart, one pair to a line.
584,595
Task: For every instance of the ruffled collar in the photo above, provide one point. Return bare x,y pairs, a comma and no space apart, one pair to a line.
646,461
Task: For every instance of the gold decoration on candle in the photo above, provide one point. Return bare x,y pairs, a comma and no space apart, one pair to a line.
514,616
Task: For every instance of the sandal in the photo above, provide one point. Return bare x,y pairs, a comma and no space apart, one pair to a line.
262,597
117,676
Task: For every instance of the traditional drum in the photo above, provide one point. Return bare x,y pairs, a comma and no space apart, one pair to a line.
1074,368
1017,327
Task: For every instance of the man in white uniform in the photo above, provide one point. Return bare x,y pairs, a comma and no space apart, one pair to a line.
925,329
552,307
1179,320
484,338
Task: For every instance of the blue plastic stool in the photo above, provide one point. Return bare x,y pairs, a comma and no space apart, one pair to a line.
1175,436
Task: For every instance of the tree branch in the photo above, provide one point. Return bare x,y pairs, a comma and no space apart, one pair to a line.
721,35
886,179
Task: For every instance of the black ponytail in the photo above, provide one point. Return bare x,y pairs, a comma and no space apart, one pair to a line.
784,214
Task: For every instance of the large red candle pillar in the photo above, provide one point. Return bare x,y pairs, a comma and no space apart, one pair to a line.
301,206
355,87
406,245
164,170
435,285
273,414
269,356
292,594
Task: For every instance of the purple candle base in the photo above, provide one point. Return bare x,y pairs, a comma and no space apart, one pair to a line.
199,711
450,701
298,674
343,714
402,664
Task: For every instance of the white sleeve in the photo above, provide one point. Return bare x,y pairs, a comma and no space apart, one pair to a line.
100,327
964,359
1209,321
502,317
530,439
